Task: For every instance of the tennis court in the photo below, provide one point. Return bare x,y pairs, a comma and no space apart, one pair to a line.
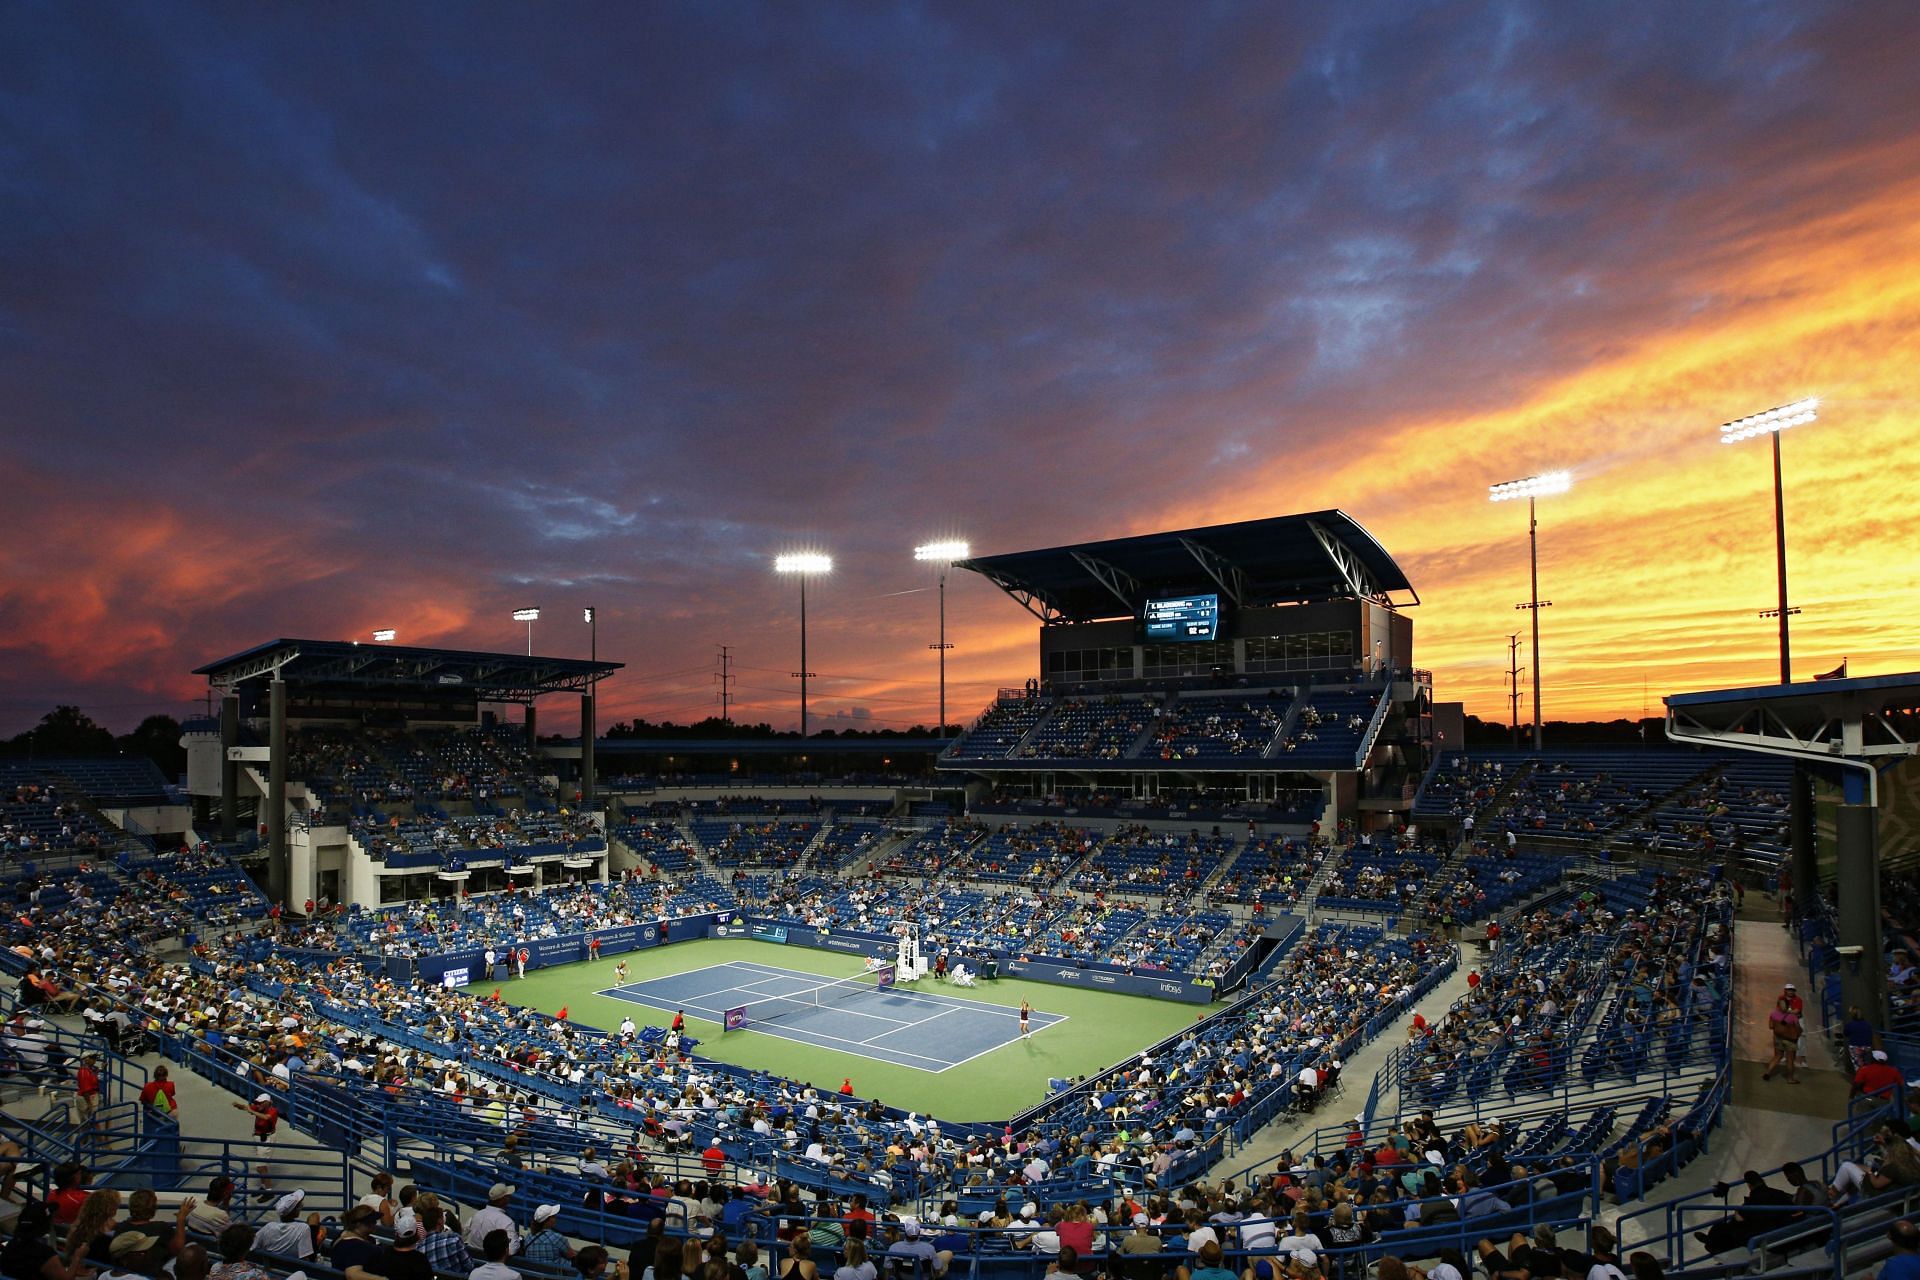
925,1030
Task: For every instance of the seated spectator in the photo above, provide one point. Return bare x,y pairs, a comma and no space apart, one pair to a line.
287,1236
493,1249
1733,1231
236,1242
1897,1166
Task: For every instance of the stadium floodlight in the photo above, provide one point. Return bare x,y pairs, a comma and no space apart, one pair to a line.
385,635
942,554
1539,486
803,565
1771,423
528,615
1532,488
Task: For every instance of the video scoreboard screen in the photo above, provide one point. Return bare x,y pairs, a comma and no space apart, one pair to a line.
1183,618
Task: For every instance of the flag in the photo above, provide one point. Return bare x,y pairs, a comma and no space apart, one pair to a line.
1838,673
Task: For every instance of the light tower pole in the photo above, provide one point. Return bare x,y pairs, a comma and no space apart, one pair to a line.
803,565
942,554
1772,423
529,616
1532,488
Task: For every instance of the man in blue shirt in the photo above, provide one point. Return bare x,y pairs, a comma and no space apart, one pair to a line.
1905,1262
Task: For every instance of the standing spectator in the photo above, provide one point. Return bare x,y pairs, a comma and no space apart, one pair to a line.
158,1097
86,1092
1860,1037
1784,1023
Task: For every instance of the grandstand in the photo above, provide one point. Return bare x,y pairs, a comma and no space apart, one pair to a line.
1535,979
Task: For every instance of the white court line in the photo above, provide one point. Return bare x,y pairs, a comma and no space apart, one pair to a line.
821,1040
935,997
911,1026
621,993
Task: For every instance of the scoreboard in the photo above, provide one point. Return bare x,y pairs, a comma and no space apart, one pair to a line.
1182,618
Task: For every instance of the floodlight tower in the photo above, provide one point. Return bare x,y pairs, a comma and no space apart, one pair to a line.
1532,488
529,616
1772,423
942,554
803,565
384,635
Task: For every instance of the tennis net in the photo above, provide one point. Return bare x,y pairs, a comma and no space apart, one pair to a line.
774,1008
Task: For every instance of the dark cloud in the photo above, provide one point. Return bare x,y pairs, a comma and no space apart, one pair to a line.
624,298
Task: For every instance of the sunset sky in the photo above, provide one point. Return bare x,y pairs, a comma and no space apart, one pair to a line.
327,317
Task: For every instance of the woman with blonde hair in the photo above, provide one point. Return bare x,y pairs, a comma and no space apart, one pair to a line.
97,1215
856,1266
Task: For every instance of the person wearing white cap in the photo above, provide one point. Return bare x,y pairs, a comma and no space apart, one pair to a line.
544,1243
1877,1076
493,1218
287,1235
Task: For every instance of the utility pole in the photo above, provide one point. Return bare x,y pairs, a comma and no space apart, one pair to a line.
1513,685
725,678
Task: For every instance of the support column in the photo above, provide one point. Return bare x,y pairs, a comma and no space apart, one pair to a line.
1805,867
587,778
1859,915
229,768
533,734
277,856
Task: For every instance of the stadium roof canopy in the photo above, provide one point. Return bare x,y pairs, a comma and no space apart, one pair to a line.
1321,555
491,677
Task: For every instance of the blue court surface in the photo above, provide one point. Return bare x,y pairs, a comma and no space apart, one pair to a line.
926,1030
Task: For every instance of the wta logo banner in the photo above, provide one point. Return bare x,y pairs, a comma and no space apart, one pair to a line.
734,1019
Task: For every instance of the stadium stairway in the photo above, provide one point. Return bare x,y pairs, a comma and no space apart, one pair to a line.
1287,723
1356,1077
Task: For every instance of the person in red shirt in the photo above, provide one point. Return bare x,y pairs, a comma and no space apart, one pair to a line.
562,1015
68,1193
846,1087
266,1116
1877,1076
1791,994
86,1089
679,1020
158,1094
714,1159
1076,1230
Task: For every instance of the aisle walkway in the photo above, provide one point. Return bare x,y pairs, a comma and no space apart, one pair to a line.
1769,1122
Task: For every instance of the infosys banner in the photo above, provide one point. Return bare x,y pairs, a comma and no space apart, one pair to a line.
853,943
1132,984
